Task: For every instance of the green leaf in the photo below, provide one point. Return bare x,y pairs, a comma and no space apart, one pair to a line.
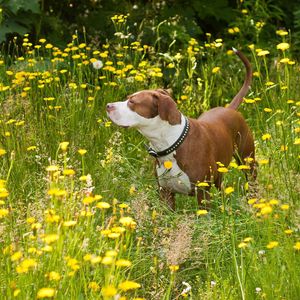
10,26
29,5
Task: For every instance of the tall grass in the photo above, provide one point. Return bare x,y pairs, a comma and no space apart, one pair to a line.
80,215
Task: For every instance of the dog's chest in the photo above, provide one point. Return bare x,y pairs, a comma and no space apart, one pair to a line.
174,178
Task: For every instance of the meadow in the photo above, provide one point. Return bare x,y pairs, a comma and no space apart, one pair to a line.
80,214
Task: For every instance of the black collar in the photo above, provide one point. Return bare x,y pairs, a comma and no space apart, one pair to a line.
173,147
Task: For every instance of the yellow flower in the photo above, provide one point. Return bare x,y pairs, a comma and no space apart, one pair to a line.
129,285
52,168
126,221
266,210
263,161
222,170
109,291
68,172
283,46
94,286
248,239
69,223
215,70
174,268
82,151
242,245
16,256
229,190
263,53
17,292
168,164
266,136
46,293
202,184
3,212
288,231
54,276
297,141
123,263
107,260
50,238
2,151
103,205
272,245
63,146
297,246
284,206
31,148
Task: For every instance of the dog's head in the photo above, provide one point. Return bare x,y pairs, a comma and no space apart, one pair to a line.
141,108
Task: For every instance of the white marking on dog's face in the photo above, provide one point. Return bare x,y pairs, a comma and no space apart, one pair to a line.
122,115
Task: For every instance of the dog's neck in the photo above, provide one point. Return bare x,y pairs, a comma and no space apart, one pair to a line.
161,134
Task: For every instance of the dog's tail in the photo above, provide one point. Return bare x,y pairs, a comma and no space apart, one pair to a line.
237,100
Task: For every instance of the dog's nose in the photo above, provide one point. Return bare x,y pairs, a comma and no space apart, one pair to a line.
110,107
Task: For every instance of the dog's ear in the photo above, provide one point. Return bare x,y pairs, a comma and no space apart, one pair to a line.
166,107
168,92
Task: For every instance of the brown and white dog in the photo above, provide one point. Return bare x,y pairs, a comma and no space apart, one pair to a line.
194,146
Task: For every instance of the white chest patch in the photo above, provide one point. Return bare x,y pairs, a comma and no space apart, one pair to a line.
174,179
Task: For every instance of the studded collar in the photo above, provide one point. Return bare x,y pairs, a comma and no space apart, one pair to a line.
173,147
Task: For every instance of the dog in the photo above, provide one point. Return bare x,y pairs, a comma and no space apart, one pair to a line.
195,147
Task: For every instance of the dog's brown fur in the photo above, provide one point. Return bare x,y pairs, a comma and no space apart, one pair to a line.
216,136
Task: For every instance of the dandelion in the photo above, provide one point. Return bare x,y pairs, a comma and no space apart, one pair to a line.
63,146
129,285
109,291
52,168
202,184
215,70
82,151
266,137
46,293
297,246
222,170
103,205
263,53
174,268
283,46
123,263
94,286
266,210
284,206
288,231
202,212
54,276
16,256
69,223
242,245
168,164
98,64
126,221
229,190
2,152
272,245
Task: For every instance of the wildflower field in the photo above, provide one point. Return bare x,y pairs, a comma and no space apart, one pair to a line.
80,214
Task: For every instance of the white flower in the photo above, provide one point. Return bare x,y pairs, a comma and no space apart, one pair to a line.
212,283
187,289
98,64
261,252
258,290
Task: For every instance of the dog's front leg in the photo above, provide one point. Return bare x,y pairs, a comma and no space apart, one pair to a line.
167,196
